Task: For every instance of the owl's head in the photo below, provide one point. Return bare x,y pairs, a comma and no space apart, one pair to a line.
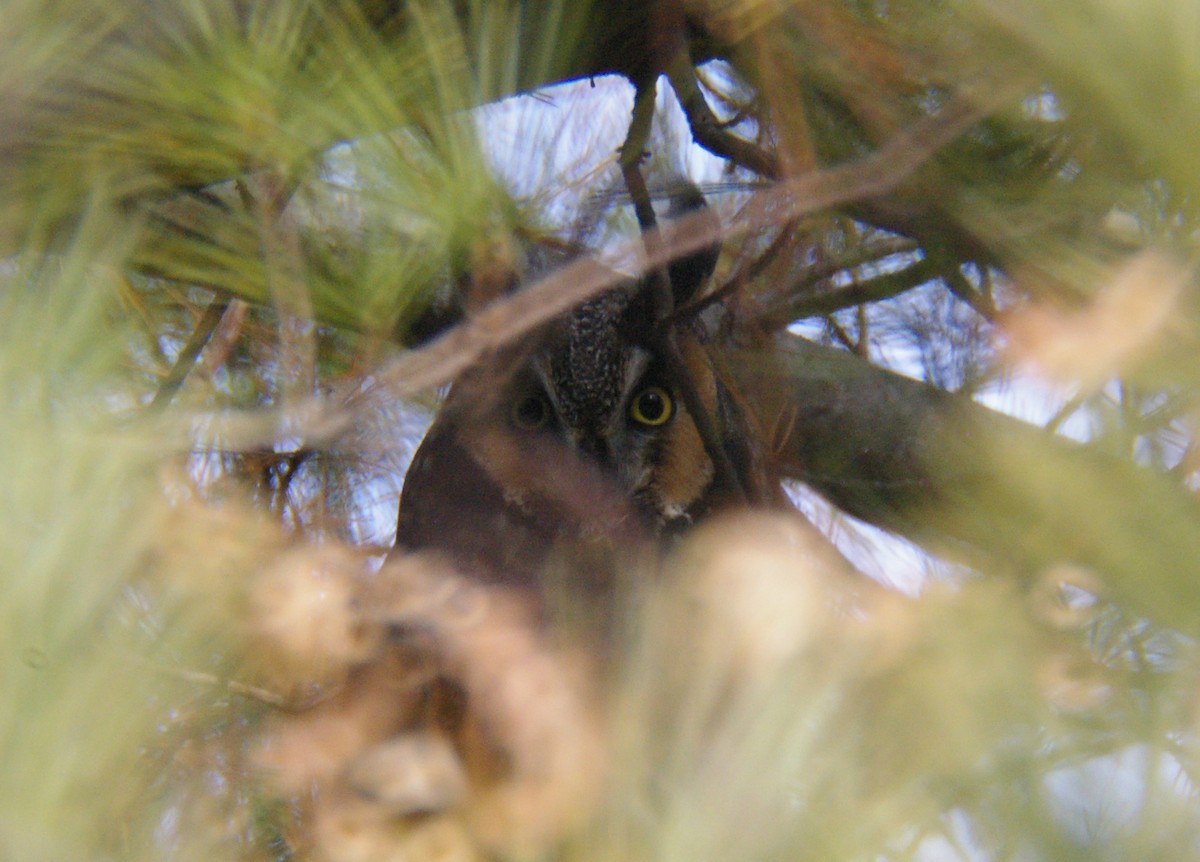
579,428
597,386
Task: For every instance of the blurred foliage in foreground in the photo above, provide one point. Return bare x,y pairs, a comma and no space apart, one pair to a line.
225,227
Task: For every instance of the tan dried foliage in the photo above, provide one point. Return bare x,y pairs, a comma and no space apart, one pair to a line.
760,589
304,619
1113,334
464,729
425,715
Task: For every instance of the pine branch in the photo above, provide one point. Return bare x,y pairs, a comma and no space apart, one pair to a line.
969,482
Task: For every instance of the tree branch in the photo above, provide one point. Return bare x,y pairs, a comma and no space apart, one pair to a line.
969,482
507,319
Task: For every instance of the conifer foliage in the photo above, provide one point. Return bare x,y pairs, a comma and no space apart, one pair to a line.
243,244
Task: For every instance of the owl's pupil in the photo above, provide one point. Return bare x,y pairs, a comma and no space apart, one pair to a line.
651,406
531,412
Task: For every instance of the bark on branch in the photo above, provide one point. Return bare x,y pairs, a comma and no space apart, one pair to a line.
966,481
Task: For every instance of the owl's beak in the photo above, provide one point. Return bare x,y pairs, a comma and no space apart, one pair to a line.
592,445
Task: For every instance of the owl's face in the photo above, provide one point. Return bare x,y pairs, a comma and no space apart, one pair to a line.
597,389
579,431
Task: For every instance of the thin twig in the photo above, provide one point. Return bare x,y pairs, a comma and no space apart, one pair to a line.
708,131
871,251
977,299
254,692
292,462
280,239
839,332
187,356
506,320
659,285
693,309
223,339
862,344
1062,414
757,266
855,294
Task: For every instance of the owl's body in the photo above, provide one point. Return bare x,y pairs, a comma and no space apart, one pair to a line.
578,433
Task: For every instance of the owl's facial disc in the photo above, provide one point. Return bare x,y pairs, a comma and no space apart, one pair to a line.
614,420
595,386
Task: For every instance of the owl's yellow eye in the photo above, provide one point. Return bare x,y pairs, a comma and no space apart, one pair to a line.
531,412
652,406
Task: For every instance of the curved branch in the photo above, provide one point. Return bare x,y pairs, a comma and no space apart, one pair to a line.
964,480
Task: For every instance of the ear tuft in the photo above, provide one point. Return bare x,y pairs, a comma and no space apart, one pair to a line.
688,274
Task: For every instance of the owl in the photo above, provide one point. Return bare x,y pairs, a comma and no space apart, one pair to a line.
578,435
